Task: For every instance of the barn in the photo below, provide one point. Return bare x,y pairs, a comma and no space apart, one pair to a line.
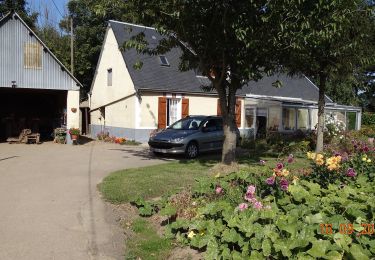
37,91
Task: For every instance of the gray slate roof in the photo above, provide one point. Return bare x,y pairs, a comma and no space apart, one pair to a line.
155,77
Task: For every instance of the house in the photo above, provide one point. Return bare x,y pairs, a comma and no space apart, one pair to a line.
131,102
36,90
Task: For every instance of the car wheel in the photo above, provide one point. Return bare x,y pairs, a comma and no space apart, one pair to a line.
192,150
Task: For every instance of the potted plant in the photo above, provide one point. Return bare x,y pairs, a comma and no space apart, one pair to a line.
74,133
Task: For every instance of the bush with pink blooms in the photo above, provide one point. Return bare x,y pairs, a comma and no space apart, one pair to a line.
278,213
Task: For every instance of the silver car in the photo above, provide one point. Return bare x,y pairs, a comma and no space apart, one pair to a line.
190,136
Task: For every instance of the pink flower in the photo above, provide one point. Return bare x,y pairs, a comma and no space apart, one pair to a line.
284,184
258,205
262,162
249,196
251,189
271,180
290,159
243,206
351,172
218,190
279,166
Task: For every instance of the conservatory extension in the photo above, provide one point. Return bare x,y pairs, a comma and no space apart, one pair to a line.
287,115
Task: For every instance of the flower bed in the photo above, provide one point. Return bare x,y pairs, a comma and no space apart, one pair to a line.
325,211
105,137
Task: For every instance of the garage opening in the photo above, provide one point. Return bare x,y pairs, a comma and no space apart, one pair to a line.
39,110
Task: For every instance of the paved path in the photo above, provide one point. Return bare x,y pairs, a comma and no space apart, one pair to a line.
49,204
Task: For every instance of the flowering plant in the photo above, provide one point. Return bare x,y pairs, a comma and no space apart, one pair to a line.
74,131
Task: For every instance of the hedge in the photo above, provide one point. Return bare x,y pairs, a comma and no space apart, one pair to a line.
368,119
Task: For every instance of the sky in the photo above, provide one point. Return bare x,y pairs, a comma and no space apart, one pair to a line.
47,10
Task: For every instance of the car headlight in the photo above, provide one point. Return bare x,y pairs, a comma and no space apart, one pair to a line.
177,140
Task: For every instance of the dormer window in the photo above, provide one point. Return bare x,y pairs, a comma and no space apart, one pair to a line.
164,61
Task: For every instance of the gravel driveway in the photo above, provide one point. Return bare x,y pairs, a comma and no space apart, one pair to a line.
49,204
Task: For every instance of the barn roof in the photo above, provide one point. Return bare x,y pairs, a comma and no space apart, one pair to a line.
159,77
16,16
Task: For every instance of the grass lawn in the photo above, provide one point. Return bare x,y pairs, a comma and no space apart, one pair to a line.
153,181
146,243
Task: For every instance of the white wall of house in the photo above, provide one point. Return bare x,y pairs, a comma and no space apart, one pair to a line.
122,84
148,111
72,118
198,105
121,114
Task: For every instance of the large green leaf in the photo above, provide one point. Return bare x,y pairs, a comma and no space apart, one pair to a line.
298,192
314,219
319,248
283,246
356,252
266,247
342,241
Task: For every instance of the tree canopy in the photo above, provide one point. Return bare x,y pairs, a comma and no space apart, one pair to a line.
324,40
21,7
227,41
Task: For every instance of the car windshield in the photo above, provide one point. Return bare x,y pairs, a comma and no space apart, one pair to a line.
188,123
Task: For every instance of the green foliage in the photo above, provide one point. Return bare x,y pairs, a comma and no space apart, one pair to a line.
291,223
151,182
368,119
324,41
90,22
145,243
22,8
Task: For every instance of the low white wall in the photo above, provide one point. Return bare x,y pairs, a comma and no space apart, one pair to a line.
73,119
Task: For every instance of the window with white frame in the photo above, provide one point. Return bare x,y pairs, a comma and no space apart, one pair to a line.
289,118
249,117
274,118
302,118
173,110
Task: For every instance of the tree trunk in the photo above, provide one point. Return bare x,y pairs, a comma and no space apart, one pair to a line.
230,128
321,118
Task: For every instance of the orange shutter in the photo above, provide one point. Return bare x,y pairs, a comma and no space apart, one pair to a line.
238,112
185,107
218,108
162,113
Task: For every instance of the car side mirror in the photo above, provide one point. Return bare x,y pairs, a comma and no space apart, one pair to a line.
204,129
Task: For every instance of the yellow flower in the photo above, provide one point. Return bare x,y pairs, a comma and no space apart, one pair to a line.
368,160
364,159
332,167
295,179
191,234
319,162
284,173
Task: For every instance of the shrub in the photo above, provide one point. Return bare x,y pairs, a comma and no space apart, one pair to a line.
368,119
325,214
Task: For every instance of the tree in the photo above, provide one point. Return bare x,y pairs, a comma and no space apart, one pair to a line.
324,40
227,41
20,6
90,20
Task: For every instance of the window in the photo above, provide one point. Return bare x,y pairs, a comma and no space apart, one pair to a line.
249,117
351,120
214,124
289,119
32,56
274,118
302,119
164,61
173,110
109,77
